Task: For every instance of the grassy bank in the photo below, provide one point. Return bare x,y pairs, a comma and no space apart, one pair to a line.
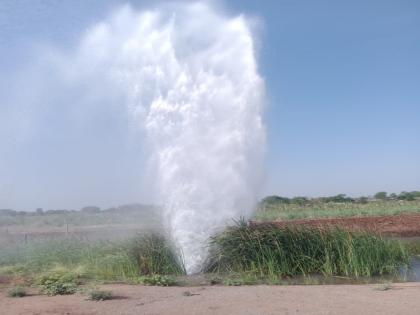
259,251
105,260
267,250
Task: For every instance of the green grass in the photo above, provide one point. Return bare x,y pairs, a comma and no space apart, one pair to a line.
272,251
142,255
154,254
242,254
281,211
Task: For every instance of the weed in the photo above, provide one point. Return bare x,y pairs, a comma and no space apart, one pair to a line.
58,282
158,280
100,295
17,292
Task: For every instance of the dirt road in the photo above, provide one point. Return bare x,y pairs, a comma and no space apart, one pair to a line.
315,299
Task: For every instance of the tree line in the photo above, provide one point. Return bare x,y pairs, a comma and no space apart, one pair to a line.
341,198
124,209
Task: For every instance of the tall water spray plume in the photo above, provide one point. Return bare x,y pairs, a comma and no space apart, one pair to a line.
189,78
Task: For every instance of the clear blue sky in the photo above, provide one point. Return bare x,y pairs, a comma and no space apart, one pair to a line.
343,80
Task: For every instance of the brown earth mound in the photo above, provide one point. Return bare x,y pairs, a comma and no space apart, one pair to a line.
403,225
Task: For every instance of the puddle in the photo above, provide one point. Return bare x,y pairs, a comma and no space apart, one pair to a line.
412,273
406,274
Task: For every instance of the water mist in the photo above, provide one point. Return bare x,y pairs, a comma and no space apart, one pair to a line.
189,77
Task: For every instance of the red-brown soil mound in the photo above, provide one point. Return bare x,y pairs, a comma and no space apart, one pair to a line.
403,225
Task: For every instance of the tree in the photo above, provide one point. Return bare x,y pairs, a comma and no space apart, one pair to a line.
382,195
275,200
393,196
91,209
407,196
363,200
299,200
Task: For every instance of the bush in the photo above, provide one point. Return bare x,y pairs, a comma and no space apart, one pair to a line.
58,282
99,295
16,292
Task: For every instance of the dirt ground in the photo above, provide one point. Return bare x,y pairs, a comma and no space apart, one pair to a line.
403,225
315,299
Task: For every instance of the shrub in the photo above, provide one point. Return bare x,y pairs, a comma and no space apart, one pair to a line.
58,282
17,292
99,295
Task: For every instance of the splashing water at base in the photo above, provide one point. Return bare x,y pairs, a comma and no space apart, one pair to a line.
190,76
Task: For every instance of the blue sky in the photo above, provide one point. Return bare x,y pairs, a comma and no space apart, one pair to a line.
343,81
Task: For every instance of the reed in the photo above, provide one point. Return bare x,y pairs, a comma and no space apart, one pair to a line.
268,250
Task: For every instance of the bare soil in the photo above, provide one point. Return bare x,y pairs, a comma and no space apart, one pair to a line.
403,225
315,299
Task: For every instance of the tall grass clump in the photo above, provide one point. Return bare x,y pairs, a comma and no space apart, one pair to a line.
154,254
268,250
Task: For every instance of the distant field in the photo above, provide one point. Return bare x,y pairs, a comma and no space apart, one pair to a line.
127,214
313,210
17,227
141,216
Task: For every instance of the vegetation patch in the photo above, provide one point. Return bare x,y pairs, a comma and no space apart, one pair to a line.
268,250
100,295
144,254
158,280
154,254
275,207
16,292
58,282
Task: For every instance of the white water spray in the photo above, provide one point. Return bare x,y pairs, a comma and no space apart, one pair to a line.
189,76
